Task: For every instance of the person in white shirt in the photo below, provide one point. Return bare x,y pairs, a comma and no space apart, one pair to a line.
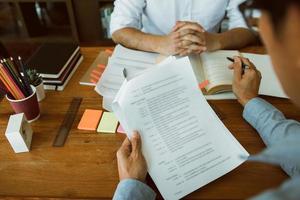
178,27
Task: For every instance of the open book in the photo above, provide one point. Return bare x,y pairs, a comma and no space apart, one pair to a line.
185,144
214,68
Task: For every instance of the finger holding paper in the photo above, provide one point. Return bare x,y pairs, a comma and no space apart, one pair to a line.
131,162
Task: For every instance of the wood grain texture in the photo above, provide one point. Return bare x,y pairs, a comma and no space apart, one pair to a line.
86,166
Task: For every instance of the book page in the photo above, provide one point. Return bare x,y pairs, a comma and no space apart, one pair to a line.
270,84
184,143
215,67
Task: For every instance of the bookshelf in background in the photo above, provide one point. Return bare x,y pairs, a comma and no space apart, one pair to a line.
39,21
92,30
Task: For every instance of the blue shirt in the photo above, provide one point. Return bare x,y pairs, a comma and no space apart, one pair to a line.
282,137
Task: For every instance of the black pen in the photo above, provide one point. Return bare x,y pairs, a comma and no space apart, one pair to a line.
25,75
244,66
125,73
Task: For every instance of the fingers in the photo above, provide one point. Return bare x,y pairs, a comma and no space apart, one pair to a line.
192,49
237,68
125,149
178,25
193,26
195,38
136,142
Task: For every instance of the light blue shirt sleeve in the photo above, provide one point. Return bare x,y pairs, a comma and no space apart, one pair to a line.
130,189
272,126
269,122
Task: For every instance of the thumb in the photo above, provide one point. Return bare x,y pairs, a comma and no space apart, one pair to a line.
136,142
125,149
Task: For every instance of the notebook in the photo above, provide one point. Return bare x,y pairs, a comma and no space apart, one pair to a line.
185,144
61,87
51,59
214,68
61,79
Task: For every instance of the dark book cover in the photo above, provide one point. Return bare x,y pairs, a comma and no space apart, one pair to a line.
61,79
51,59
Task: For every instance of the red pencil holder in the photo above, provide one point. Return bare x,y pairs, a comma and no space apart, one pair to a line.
29,106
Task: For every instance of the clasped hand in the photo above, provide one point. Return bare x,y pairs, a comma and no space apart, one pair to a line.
189,38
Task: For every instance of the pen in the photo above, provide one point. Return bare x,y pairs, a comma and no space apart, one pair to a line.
125,73
244,66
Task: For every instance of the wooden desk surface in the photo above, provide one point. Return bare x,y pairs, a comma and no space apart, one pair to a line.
86,166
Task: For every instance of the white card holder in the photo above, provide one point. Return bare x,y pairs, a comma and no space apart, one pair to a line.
19,133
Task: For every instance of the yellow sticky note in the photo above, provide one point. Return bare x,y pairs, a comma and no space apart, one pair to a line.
108,123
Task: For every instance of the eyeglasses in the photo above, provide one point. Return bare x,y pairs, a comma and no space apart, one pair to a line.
249,12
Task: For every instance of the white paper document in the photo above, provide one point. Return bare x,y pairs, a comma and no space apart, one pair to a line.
185,144
270,84
135,62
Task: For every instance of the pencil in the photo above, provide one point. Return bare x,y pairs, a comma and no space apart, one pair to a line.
14,75
7,86
11,82
20,75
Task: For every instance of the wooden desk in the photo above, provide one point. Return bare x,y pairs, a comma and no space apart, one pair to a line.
86,166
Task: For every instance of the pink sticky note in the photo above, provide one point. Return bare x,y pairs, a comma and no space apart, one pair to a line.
203,84
120,129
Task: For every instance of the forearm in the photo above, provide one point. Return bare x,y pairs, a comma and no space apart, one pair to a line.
270,123
234,39
136,39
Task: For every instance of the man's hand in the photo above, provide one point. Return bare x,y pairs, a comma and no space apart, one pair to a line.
245,86
131,162
193,39
169,44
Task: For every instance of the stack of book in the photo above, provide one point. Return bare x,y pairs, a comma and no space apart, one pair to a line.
56,62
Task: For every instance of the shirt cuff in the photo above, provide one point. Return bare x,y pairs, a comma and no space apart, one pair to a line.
254,108
133,189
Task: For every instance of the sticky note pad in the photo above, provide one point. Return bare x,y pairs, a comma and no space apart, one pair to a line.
120,129
90,120
108,123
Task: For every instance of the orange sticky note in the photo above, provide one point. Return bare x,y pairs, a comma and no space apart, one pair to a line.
203,84
95,77
109,51
120,129
101,66
90,120
96,72
93,81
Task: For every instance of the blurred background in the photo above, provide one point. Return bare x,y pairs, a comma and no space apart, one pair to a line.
25,24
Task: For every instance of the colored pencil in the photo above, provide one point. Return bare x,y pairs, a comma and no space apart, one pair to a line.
15,75
7,86
9,79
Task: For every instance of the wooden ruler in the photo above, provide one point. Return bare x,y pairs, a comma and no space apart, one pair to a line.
66,125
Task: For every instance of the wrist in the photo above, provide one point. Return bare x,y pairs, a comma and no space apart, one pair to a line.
158,44
244,101
213,41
